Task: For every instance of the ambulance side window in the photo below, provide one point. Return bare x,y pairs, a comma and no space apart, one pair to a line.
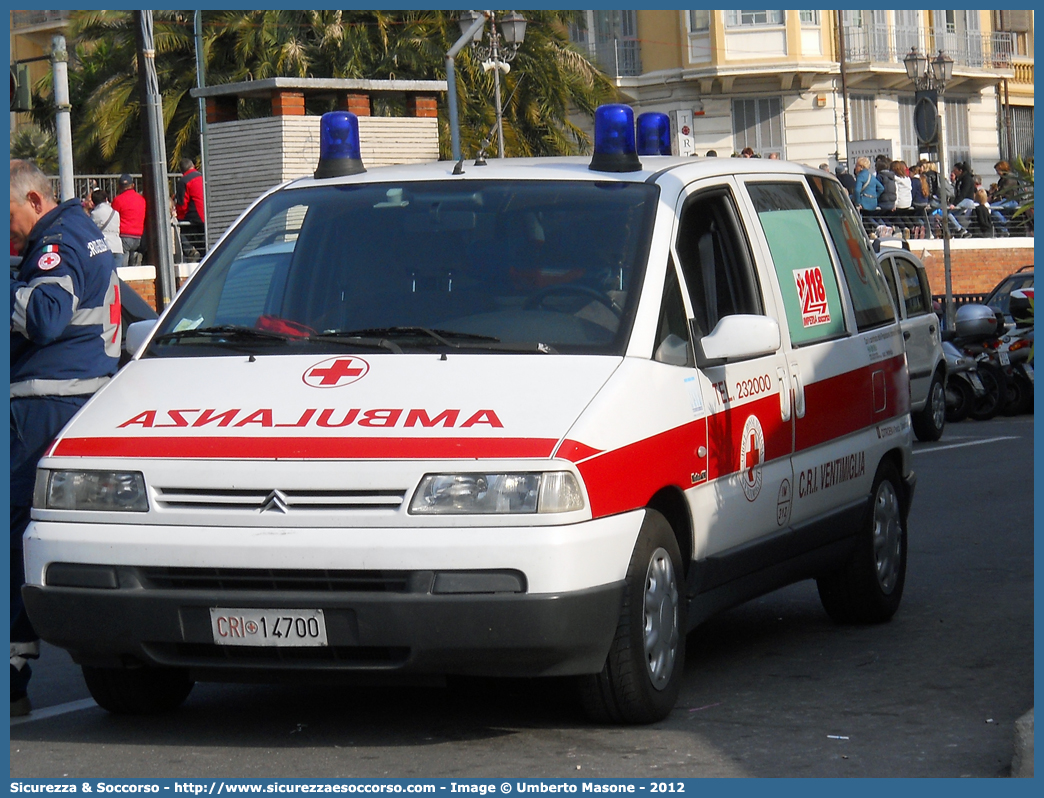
802,261
870,300
715,260
672,334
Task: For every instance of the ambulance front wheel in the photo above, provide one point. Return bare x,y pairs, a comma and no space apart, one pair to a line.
642,675
869,587
138,691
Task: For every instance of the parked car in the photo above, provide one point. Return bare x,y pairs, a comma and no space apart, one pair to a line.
908,281
1000,297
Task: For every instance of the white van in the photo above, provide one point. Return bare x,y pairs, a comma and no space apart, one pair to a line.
533,418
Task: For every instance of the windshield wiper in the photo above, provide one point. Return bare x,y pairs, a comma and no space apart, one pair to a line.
449,338
228,332
407,332
357,338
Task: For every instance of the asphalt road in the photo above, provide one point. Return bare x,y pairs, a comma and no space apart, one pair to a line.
772,688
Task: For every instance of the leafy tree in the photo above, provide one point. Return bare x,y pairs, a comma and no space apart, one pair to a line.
549,79
32,143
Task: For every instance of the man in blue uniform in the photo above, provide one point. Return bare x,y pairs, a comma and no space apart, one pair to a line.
65,345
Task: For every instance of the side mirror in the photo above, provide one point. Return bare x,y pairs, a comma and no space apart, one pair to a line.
742,336
137,333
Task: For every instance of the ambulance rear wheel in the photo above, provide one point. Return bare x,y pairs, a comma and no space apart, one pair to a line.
869,587
138,691
642,675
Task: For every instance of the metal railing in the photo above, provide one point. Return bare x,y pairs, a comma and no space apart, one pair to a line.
83,185
922,223
889,44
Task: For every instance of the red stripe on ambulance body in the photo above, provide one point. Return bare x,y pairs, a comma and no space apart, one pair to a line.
626,478
841,405
304,448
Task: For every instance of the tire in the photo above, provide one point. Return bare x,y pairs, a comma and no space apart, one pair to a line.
642,675
869,587
995,382
928,424
1019,395
960,397
138,691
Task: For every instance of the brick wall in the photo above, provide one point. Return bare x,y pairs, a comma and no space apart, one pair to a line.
973,269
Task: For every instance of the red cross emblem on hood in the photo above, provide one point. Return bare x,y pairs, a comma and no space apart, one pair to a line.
335,372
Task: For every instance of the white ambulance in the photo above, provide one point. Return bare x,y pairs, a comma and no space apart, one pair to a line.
532,418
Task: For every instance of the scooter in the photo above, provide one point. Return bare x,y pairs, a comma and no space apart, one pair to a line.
964,387
1015,353
976,336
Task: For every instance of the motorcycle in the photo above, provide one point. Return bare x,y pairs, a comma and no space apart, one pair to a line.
1015,351
964,387
976,336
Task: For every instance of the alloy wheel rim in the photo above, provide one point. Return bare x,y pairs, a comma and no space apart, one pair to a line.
938,405
661,619
888,537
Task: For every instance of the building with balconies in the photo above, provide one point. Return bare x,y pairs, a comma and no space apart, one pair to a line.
31,33
802,85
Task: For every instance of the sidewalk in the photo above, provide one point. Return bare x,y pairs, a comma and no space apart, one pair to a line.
1022,763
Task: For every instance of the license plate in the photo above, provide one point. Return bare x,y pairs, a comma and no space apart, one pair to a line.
1029,371
976,383
254,627
1004,359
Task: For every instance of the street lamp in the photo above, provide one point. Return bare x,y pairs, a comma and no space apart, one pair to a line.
496,54
932,76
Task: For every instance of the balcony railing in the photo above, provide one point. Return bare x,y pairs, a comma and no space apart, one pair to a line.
617,57
27,19
887,44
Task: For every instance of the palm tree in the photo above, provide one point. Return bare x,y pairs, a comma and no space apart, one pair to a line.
549,80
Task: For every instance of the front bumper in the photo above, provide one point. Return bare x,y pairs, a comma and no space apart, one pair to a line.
413,631
497,601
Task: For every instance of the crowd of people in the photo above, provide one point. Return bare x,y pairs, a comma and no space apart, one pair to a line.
897,199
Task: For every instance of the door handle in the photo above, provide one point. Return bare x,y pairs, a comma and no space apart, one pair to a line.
906,336
784,393
931,329
799,391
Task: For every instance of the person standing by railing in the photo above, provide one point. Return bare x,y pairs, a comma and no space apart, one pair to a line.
188,204
131,207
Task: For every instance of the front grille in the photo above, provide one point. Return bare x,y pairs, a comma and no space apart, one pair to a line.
203,654
324,581
256,501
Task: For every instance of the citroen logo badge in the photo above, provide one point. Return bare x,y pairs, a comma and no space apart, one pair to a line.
276,501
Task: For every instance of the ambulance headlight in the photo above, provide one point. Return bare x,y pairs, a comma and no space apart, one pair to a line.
492,494
105,491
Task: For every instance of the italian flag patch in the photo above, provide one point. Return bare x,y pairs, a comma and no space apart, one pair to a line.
50,257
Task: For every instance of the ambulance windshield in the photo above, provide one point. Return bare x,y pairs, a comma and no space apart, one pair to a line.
524,266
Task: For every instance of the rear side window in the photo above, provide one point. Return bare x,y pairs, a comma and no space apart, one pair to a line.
916,295
870,300
802,261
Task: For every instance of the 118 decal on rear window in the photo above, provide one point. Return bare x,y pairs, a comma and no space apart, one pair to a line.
813,296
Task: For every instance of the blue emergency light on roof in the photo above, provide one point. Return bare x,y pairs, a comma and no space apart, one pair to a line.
614,140
339,145
654,134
